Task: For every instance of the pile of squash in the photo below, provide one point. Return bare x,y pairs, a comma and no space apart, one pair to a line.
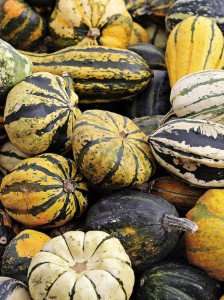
111,150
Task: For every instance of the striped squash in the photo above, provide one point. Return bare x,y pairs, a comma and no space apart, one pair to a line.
192,150
20,25
200,96
138,35
195,44
44,190
91,22
111,151
12,289
40,114
98,72
78,265
182,9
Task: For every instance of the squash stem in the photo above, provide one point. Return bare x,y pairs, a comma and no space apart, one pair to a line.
167,117
171,223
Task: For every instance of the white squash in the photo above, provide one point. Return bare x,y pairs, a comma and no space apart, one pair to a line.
12,289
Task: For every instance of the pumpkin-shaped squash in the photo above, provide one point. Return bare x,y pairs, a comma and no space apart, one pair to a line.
19,252
44,190
147,225
173,281
203,47
91,22
12,289
20,25
91,265
40,113
110,150
205,248
138,35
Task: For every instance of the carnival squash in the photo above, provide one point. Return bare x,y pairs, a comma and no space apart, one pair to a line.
12,289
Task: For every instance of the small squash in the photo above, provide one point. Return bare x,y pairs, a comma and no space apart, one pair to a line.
19,252
195,44
138,35
12,289
111,151
157,35
91,265
91,22
205,248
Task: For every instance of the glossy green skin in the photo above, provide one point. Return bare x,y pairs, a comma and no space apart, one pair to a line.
174,281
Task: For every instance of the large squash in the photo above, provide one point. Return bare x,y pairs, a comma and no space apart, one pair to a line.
111,151
45,190
78,265
195,44
12,289
91,22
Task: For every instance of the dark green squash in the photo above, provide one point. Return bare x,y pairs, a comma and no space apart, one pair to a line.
175,281
147,225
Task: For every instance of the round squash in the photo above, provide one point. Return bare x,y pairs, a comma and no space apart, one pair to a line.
19,252
111,151
78,265
203,47
44,190
12,289
174,281
205,248
40,113
138,35
91,22
147,225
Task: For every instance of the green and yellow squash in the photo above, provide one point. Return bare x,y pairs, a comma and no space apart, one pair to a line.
46,190
157,35
138,35
12,289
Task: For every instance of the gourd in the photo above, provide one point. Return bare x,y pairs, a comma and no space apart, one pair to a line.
20,25
12,289
138,35
203,47
205,248
99,74
91,265
14,67
40,114
44,190
19,252
173,281
91,22
111,151
147,225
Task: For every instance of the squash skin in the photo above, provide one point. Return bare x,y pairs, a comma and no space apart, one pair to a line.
173,281
205,248
138,35
148,124
19,252
157,35
12,289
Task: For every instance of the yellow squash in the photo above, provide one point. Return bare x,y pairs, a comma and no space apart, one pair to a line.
138,35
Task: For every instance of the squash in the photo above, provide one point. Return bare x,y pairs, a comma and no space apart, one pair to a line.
148,124
40,114
44,190
138,35
20,25
14,68
3,135
205,248
157,35
91,22
98,72
10,156
147,225
91,265
111,151
181,10
173,281
203,47
12,289
19,252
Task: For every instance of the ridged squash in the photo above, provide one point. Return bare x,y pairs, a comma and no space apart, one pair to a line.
195,44
138,35
91,22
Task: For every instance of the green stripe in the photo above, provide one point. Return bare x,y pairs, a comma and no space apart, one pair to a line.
210,44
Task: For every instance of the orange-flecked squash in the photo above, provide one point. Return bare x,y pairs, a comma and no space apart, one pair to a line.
91,22
205,248
138,35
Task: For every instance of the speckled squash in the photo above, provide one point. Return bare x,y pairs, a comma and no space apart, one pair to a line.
44,190
143,223
40,114
20,25
12,289
19,252
205,248
203,47
111,151
138,35
91,22
174,281
91,265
